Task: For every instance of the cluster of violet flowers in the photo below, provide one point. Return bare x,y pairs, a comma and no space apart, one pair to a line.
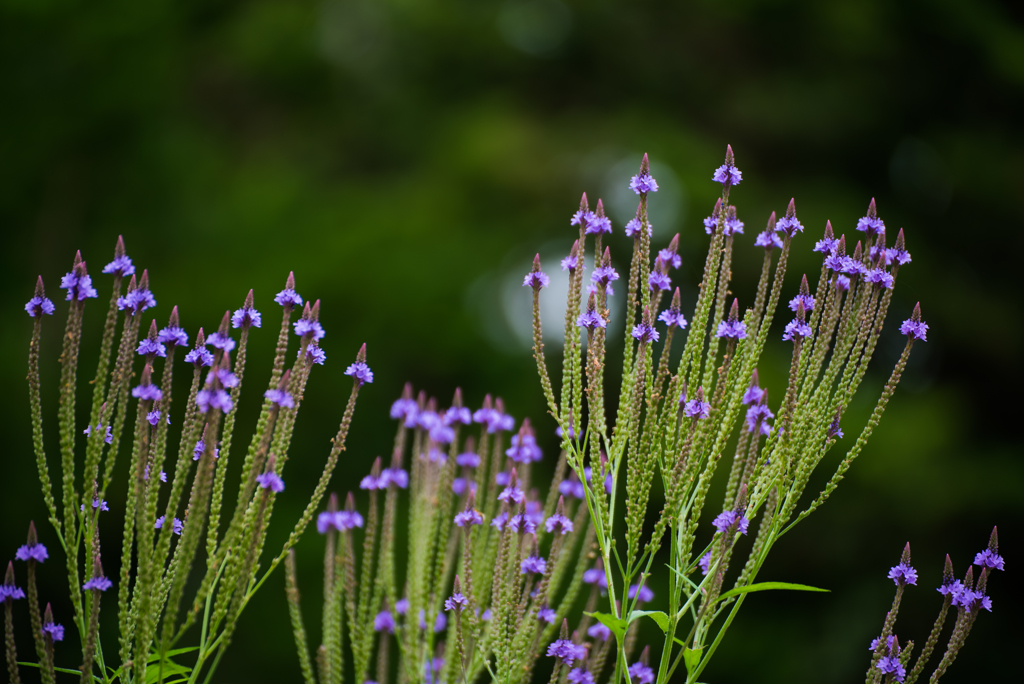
174,500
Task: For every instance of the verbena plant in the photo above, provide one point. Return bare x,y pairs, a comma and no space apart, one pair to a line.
160,549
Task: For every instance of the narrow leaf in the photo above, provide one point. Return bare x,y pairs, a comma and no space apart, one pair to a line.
767,586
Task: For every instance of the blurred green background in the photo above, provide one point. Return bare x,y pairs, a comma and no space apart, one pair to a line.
406,159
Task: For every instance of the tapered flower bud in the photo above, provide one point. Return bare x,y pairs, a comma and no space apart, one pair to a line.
914,327
536,278
598,223
359,371
727,174
871,224
643,183
733,328
571,262
768,239
790,224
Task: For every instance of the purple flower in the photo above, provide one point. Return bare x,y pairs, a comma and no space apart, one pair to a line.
460,484
632,228
728,519
80,288
121,266
383,622
522,524
468,460
96,503
218,399
673,318
135,301
98,583
645,333
642,183
670,258
469,517
805,299
872,225
306,327
457,414
153,417
600,631
900,256
219,340
915,330
288,297
280,397
536,280
360,372
842,283
581,218
524,449
758,416
314,354
558,523
645,593
37,552
456,602
402,606
710,225
603,277
753,394
595,576
826,245
548,615
109,438
173,335
705,563
394,476
10,592
570,262
768,240
404,409
270,480
599,224
728,175
733,226
888,643
567,651
534,564
986,559
903,574
641,673
246,317
590,320
512,494
890,664
55,631
879,276
439,624
695,408
834,431
790,225
732,330
347,520
796,330
499,521
199,357
147,392
177,526
658,281
38,306
572,487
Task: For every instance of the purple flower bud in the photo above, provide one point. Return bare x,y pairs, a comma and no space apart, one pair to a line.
246,317
567,651
270,480
645,593
456,602
98,584
598,630
360,372
903,574
36,552
728,519
39,305
55,631
280,397
534,564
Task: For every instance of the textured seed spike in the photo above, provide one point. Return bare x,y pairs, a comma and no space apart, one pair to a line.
361,354
9,577
947,571
40,290
677,301
78,259
153,330
828,231
880,241
599,212
499,405
969,577
289,282
119,250
858,252
200,339
407,391
350,502
872,210
591,302
143,281
488,402
457,586
583,203
791,209
33,538
172,322
770,228
905,558
880,262
731,213
432,405
647,318
306,311
916,313
841,246
513,478
764,397
526,429
457,399
225,323
248,300
754,380
645,165
805,288
560,506
606,258
717,211
730,158
983,579
332,503
699,394
132,285
993,541
734,310
901,243
895,645
147,375
314,312
563,633
225,362
575,251
48,615
421,400
673,244
801,314
741,498
375,468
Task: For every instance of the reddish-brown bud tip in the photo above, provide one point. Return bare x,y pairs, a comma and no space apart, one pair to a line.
536,263
730,158
132,284
872,210
289,282
172,322
791,209
249,299
770,228
119,250
200,339
225,323
361,354
583,203
40,291
600,208
457,399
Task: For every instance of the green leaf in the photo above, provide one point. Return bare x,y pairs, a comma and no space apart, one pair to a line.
613,623
656,615
169,669
153,657
767,586
691,658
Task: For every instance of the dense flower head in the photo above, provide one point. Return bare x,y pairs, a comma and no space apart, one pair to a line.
570,262
673,318
217,399
469,517
796,329
705,563
670,257
989,559
457,414
135,301
842,283
599,630
591,319
643,594
280,397
567,651
39,305
468,459
727,519
383,622
697,408
599,224
825,245
55,631
879,276
547,614
270,480
914,327
314,354
558,523
728,175
360,372
758,416
769,240
710,224
754,392
572,487
153,417
903,574
404,408
536,280
534,564
805,299
149,347
602,278
871,224
98,583
121,265
581,217
147,392
307,327
643,183
80,288
658,281
595,576
36,552
789,225
173,335
246,317
222,341
494,419
199,357
640,673
632,228
524,448
522,524
457,601
108,438
461,484
645,333
288,297
512,494
732,330
10,592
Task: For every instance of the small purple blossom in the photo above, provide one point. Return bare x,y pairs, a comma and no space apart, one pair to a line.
108,438
826,245
598,225
872,225
732,330
219,340
558,523
55,631
570,262
522,524
147,392
989,559
270,480
632,229
733,226
645,593
10,592
402,606
217,399
36,552
670,258
98,583
758,416
769,240
673,318
599,630
135,301
659,281
470,517
640,673
805,299
642,183
307,327
695,408
246,317
710,224
524,448
500,521
80,288
153,417
288,297
729,519
890,665
590,320
595,576
360,372
314,354
548,615
457,414
461,484
790,225
915,330
38,305
121,266
383,622
903,574
173,335
536,280
796,330
581,217
705,563
879,276
534,564
457,601
753,394
468,460
512,494
603,277
567,651
96,503
280,397
645,333
728,175
199,357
